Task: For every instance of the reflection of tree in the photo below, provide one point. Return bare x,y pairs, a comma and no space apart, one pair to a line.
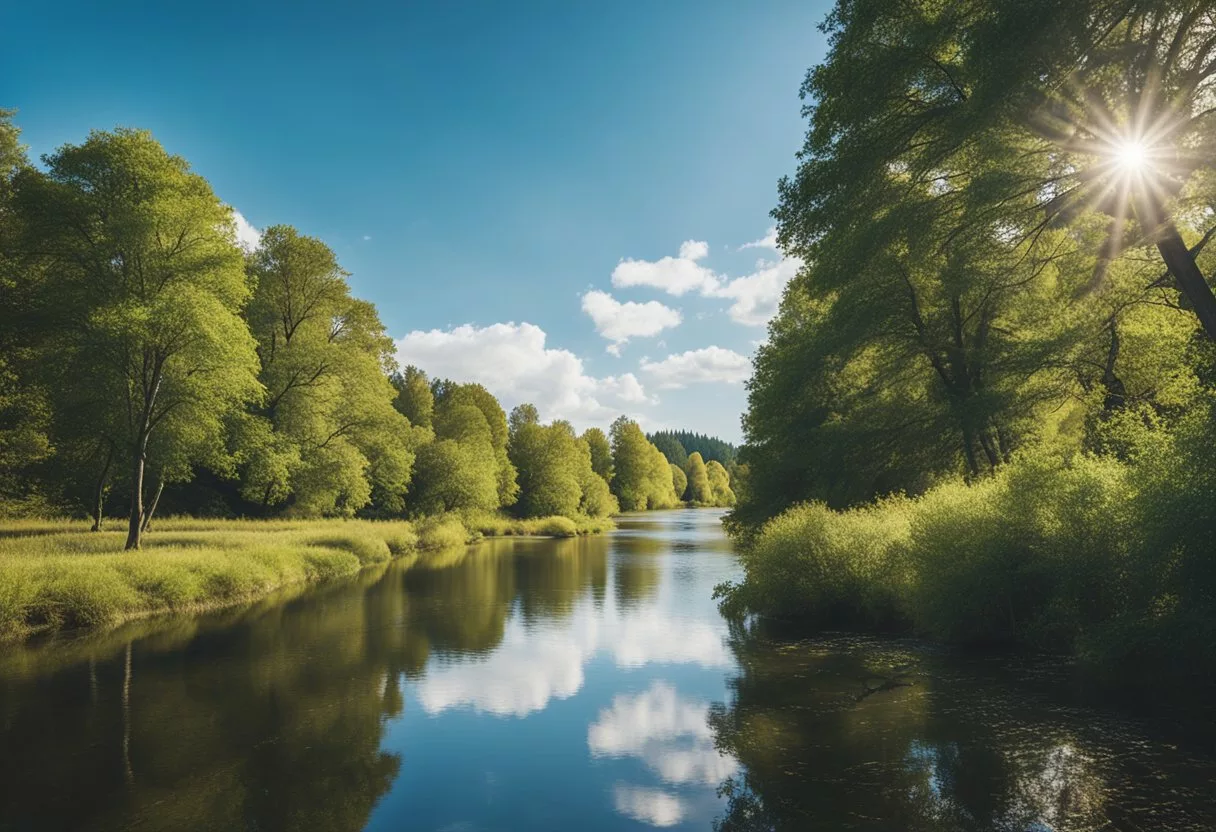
553,575
636,567
266,717
960,754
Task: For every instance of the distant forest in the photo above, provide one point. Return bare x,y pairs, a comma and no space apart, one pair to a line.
676,445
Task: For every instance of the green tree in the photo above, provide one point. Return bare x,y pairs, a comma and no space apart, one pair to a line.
671,448
699,490
332,439
547,458
631,462
414,401
449,394
150,284
719,484
601,453
679,480
24,407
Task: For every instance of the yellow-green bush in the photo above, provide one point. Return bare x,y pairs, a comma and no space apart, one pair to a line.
1112,560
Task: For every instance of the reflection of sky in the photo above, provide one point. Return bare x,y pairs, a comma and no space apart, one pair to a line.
594,720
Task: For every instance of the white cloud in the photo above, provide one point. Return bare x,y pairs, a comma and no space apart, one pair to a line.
669,733
709,364
652,806
512,362
618,322
536,663
769,240
674,275
756,296
247,236
366,237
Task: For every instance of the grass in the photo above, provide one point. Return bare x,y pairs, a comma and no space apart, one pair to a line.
56,574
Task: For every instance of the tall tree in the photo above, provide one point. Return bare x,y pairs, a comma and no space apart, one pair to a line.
719,484
450,394
151,285
699,490
330,438
601,453
414,401
679,480
24,409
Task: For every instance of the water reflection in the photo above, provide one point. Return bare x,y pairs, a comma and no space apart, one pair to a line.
894,736
531,684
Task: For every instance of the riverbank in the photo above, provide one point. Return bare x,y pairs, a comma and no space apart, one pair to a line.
56,574
1106,561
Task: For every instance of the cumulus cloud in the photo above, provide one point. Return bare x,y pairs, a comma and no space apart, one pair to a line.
674,275
652,806
536,663
755,295
769,240
618,322
709,364
512,361
247,236
670,733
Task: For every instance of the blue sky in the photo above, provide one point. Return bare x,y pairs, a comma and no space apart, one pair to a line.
501,179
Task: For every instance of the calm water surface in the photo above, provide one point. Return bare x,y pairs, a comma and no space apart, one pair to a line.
579,684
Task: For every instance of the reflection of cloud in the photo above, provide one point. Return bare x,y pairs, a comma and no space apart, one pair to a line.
653,806
536,664
669,733
521,676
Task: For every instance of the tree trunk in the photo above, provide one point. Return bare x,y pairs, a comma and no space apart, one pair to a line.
136,517
100,493
160,486
1181,263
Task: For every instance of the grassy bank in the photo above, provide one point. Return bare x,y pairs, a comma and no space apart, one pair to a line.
1112,561
56,574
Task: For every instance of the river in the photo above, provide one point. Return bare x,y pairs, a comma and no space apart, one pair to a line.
582,685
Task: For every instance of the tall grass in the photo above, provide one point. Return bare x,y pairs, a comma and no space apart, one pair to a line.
1112,560
56,574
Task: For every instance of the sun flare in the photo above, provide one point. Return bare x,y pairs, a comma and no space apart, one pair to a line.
1131,155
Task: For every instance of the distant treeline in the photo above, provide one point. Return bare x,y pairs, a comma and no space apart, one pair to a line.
147,360
676,445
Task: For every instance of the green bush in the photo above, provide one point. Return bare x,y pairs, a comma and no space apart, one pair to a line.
1110,559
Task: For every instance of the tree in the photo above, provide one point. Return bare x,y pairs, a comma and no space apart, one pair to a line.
710,447
150,284
671,448
679,480
414,401
547,459
333,439
24,408
601,453
719,484
699,490
449,394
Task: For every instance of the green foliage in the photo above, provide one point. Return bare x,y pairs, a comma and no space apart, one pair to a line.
679,480
414,401
676,445
719,484
330,438
143,288
643,475
699,490
601,453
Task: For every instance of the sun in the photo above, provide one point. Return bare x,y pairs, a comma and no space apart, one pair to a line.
1131,156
